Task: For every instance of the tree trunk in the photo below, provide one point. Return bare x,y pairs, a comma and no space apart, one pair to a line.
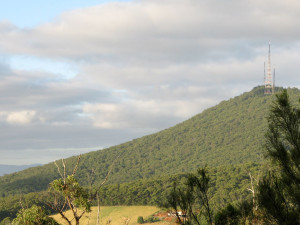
98,213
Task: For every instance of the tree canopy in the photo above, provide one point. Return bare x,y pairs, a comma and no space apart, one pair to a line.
279,191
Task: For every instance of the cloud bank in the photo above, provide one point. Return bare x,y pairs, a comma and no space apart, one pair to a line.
137,67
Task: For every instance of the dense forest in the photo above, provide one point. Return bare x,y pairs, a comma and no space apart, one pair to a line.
229,184
228,138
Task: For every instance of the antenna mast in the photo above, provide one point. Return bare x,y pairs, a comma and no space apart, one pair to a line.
269,83
273,80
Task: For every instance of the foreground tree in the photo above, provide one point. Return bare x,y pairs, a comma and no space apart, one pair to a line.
279,191
66,193
234,215
192,199
95,191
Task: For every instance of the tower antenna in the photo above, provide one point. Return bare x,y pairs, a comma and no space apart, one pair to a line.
269,84
273,81
264,71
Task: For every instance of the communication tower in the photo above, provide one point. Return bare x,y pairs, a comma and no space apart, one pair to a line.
269,79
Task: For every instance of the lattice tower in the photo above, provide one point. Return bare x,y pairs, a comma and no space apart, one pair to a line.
269,83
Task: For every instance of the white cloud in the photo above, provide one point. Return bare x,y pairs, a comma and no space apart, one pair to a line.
137,67
151,113
21,117
169,30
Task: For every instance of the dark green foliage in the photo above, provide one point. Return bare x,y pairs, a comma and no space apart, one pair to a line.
273,200
229,215
192,199
151,219
199,184
228,184
246,213
279,191
140,220
181,199
33,216
6,221
242,213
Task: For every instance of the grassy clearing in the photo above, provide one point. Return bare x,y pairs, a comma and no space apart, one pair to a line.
117,214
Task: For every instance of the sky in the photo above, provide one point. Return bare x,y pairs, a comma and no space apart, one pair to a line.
78,76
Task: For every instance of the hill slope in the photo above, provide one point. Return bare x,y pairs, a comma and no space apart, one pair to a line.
230,133
7,169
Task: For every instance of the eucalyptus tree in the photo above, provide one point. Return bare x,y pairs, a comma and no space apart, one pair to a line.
66,193
279,191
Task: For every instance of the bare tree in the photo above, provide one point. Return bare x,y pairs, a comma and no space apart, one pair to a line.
252,189
95,193
67,193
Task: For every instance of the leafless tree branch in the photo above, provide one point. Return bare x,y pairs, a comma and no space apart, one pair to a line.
76,166
58,169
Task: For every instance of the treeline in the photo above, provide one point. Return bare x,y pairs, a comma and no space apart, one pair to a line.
229,184
230,133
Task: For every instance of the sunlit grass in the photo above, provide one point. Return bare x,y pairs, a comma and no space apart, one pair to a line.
117,214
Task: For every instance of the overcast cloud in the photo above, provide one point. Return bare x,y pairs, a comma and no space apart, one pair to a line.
98,76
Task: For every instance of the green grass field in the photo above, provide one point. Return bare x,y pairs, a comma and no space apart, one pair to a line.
118,215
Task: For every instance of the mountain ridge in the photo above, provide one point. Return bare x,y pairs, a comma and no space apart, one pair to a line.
229,133
8,169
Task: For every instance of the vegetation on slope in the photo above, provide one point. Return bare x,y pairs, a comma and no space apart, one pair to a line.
229,184
227,135
7,169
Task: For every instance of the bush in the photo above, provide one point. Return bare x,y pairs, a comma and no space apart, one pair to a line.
150,220
228,215
33,216
6,221
140,220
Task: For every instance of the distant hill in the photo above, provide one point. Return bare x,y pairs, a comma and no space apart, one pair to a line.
230,133
7,169
228,185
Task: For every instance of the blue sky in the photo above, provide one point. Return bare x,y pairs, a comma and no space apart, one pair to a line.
78,76
30,13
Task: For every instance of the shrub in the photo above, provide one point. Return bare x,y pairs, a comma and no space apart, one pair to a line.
228,215
140,220
33,216
6,221
150,220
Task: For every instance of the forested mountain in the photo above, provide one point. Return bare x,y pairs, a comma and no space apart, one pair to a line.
7,169
228,185
230,133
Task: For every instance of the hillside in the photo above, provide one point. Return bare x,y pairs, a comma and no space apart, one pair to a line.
229,133
228,184
7,169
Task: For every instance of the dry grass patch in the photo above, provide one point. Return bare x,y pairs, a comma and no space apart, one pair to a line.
117,214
